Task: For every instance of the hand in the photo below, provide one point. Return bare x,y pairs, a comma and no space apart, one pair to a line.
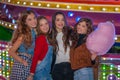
24,62
93,56
30,77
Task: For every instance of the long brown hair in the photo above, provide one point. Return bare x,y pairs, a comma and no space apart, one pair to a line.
54,33
23,29
39,32
75,35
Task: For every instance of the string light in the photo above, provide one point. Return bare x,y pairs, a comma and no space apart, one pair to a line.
57,5
91,8
103,9
39,4
73,6
79,7
48,5
8,0
68,7
18,2
15,26
24,3
116,9
9,25
31,4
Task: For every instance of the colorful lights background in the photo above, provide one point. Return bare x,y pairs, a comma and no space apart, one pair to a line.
10,10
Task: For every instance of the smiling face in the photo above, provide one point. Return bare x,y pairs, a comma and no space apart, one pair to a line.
31,20
82,28
44,26
59,22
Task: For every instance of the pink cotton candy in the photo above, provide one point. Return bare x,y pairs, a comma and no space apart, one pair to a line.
102,39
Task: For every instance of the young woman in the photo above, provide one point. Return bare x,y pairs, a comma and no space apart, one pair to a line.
80,57
23,43
61,67
42,59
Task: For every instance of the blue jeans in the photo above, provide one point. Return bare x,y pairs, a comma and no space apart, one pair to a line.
44,67
84,74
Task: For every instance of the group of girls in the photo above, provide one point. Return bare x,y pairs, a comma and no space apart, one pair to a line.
59,52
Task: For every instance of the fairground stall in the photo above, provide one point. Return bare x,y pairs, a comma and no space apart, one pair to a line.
97,10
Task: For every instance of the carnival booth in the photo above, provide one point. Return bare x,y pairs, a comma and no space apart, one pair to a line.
99,11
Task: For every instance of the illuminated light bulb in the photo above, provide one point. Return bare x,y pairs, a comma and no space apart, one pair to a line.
6,46
119,66
5,24
15,27
3,72
111,78
104,9
68,7
39,4
116,9
7,54
9,16
3,45
18,2
111,68
79,7
4,6
103,74
70,14
91,8
103,67
111,74
8,0
104,77
3,63
24,3
115,38
104,58
8,73
31,4
3,60
118,75
111,58
57,5
10,25
7,61
2,23
48,5
7,64
3,52
6,11
111,65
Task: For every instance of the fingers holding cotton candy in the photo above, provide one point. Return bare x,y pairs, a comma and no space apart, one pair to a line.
102,39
